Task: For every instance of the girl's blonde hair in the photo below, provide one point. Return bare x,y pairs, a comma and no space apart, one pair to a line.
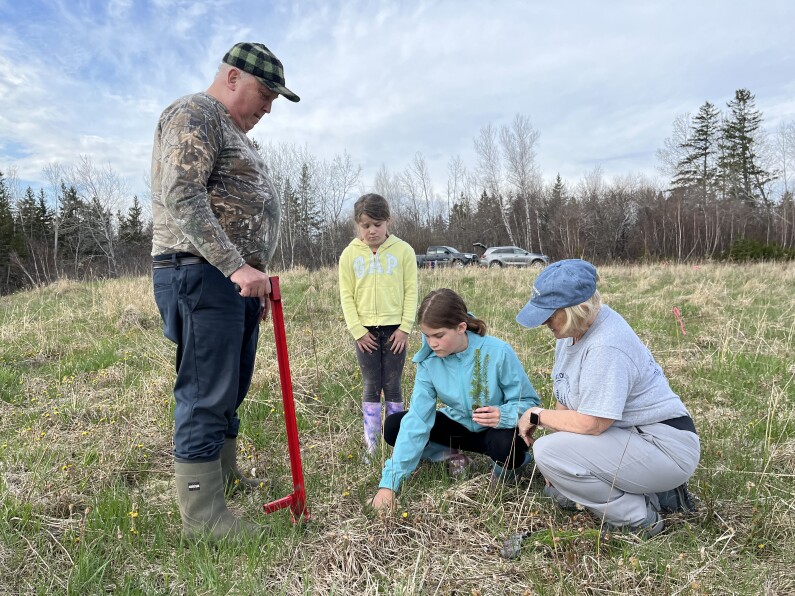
578,316
444,309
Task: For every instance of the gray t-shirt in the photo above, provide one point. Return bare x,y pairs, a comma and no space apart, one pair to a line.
610,373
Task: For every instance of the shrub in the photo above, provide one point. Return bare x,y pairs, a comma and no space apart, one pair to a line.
744,249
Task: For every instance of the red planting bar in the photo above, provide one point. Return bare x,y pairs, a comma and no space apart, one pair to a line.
297,500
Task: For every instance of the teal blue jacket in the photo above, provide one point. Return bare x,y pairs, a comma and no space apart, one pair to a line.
449,380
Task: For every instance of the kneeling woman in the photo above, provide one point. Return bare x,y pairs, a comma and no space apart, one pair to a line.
626,444
480,381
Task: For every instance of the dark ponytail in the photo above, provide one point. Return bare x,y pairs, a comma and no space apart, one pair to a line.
475,325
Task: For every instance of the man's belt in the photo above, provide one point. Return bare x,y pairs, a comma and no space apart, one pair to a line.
176,260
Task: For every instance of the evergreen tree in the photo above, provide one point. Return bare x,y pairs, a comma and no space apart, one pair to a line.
44,215
70,229
489,217
460,215
698,169
558,191
743,178
26,213
288,237
308,216
29,217
131,226
71,209
8,237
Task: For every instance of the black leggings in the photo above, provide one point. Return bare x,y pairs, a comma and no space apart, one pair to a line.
503,445
381,369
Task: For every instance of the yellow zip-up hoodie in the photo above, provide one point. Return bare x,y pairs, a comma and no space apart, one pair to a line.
378,289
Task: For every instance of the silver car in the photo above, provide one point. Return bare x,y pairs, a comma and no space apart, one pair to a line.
512,256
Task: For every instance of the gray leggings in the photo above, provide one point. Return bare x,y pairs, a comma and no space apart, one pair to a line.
381,369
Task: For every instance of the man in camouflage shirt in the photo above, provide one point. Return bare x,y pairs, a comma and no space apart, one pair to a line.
216,221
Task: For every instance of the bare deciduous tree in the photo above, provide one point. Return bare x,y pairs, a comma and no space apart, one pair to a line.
55,176
489,168
674,148
456,176
338,179
103,193
417,181
518,146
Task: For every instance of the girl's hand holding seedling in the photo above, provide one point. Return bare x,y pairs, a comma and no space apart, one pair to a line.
384,500
367,343
398,340
487,416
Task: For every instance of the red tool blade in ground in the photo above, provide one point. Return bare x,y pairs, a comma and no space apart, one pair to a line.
297,500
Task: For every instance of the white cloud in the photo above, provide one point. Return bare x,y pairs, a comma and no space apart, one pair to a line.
602,82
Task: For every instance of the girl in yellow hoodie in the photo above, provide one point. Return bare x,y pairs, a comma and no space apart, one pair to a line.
378,292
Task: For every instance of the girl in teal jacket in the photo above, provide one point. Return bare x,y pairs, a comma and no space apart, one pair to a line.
482,385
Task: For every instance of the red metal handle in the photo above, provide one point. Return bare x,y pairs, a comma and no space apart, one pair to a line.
297,500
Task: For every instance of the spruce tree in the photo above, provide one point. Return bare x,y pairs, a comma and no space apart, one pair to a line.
131,226
743,177
8,236
308,214
44,215
70,226
27,216
558,190
460,215
698,169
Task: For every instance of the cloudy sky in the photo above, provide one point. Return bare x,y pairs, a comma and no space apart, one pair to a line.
602,81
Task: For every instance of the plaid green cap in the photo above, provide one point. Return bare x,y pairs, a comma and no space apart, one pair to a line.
257,60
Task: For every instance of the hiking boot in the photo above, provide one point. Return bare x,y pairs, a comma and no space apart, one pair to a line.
560,499
676,499
648,528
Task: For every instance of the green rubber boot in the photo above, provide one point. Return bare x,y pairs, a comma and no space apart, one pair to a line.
200,493
233,477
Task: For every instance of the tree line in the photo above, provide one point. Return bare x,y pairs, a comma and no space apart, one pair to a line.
727,193
78,230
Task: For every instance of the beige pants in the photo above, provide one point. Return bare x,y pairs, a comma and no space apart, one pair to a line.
616,474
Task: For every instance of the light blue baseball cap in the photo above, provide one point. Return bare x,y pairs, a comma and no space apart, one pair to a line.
562,284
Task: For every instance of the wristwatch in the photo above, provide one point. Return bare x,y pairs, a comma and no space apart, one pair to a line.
534,417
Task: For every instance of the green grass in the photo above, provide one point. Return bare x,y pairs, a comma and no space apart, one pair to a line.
87,498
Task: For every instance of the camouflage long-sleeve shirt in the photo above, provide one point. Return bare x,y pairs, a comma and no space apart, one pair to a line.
211,193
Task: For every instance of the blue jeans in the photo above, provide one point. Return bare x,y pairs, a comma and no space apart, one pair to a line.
381,369
216,332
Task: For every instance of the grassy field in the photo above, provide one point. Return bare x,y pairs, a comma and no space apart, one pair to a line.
88,503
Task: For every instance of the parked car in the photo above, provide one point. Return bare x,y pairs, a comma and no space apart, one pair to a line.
444,256
512,256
